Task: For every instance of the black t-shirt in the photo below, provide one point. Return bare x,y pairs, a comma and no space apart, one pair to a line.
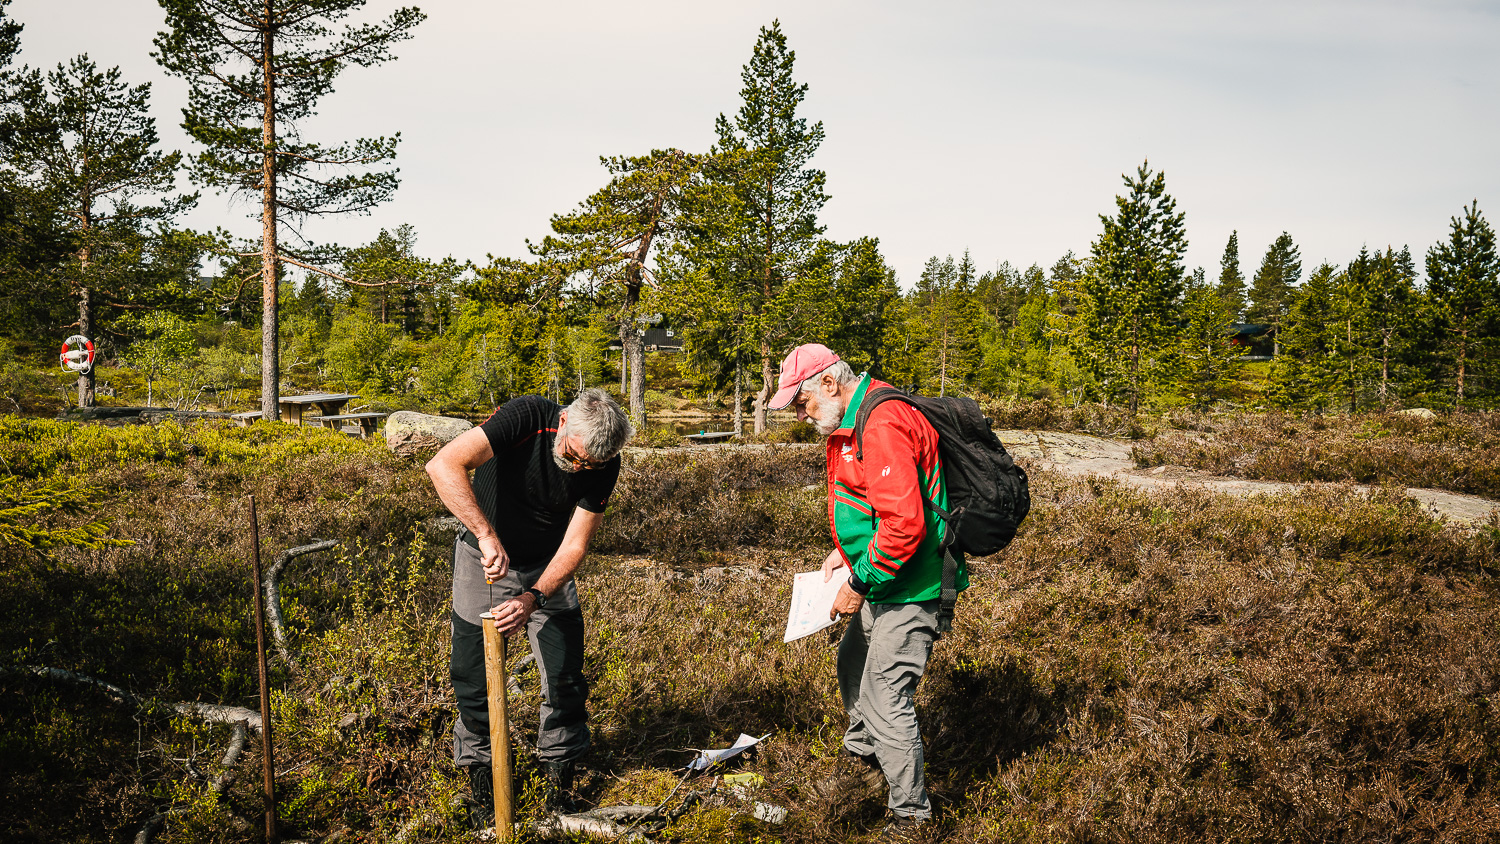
523,492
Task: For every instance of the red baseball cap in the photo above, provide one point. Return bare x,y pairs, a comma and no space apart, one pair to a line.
804,362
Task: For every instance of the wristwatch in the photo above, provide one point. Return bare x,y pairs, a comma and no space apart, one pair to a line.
541,600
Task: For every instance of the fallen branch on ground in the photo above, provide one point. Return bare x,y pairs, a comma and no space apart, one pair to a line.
273,593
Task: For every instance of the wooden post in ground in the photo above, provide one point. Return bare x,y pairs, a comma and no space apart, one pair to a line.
272,835
494,675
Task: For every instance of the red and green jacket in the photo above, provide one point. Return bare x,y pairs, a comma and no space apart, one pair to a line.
875,506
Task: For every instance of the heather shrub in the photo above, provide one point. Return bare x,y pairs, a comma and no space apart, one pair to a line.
1458,452
699,504
1045,414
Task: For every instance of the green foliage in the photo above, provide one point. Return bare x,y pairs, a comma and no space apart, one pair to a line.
164,342
1202,368
1306,374
25,508
34,448
943,320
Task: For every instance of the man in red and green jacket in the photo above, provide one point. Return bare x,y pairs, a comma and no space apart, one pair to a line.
891,541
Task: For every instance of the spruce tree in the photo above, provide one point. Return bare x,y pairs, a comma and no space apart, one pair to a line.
1202,367
1271,291
85,139
1463,278
1133,286
256,70
767,148
1231,281
1307,373
944,322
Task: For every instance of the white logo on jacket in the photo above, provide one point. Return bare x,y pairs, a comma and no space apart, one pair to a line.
885,471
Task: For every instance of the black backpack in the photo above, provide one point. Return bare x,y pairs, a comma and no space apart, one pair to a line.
988,496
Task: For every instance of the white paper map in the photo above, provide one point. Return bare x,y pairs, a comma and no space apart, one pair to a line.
812,601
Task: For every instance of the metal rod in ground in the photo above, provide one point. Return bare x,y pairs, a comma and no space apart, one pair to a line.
494,676
265,683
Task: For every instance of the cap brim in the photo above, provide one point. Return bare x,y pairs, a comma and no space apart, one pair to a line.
783,397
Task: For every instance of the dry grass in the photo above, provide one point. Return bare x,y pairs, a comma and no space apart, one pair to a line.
1173,667
1458,452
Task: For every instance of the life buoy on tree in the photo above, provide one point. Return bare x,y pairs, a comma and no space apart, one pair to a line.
77,353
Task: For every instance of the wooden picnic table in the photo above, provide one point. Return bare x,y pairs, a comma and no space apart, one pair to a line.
328,404
336,421
292,407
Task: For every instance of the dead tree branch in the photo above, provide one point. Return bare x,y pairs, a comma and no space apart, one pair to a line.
273,593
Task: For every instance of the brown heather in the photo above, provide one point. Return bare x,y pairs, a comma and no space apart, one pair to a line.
1459,452
1167,667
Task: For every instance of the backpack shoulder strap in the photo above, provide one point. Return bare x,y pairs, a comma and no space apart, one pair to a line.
874,399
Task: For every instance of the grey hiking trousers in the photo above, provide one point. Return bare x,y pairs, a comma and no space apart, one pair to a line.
556,635
881,658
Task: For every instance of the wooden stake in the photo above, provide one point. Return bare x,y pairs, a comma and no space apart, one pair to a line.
265,686
494,675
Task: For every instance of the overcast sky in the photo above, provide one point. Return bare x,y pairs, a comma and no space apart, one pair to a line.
998,127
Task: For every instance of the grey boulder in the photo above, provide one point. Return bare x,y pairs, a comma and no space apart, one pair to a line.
408,433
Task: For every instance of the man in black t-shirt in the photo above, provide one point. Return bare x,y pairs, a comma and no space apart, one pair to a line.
542,477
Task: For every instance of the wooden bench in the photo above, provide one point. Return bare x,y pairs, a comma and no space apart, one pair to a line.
245,418
366,422
710,437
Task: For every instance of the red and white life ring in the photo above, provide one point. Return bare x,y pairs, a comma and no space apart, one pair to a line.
77,353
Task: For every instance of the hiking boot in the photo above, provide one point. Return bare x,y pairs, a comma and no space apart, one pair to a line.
482,793
902,828
559,787
853,778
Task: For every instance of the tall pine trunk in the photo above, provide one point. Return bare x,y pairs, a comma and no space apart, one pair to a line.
739,396
763,396
86,328
270,351
632,362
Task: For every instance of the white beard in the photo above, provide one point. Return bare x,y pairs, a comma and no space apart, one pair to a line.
826,416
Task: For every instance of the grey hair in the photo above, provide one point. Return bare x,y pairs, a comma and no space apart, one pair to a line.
595,418
840,371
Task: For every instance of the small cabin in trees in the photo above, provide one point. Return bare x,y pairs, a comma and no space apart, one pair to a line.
1259,339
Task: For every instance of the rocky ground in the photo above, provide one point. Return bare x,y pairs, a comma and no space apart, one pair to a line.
1080,455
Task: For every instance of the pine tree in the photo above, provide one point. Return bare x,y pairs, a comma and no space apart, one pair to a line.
1133,286
607,241
10,37
1231,281
1463,277
1271,291
86,140
256,70
766,149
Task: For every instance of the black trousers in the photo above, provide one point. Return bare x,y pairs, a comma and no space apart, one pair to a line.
556,637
